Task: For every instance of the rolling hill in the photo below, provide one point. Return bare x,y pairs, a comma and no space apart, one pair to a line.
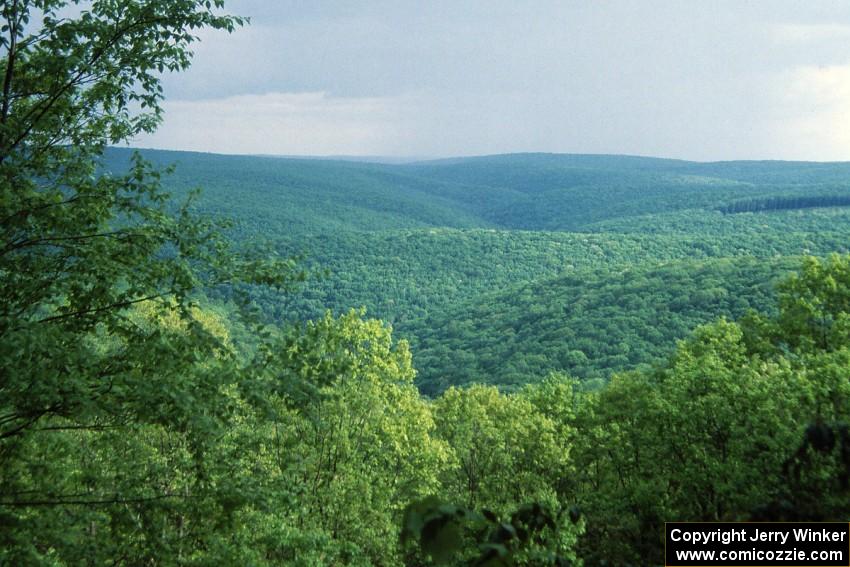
457,254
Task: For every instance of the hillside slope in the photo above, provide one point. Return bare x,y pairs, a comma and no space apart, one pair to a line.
480,261
518,191
587,324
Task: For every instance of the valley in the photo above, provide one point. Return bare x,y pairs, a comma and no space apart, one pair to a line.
502,269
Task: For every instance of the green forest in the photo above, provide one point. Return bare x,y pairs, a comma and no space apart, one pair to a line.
523,359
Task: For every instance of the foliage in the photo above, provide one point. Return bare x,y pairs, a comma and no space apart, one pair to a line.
445,533
111,379
587,325
784,203
433,248
715,434
143,423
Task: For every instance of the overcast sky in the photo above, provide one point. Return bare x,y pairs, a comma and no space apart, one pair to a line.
697,80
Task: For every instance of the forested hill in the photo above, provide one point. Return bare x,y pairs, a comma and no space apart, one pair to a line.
527,191
558,353
588,323
477,260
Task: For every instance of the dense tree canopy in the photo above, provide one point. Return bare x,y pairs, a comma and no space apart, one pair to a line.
78,247
111,380
149,415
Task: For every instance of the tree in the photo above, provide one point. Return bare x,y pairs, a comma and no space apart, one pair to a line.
79,247
506,496
361,447
502,447
79,250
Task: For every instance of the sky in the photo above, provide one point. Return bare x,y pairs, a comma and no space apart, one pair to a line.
705,81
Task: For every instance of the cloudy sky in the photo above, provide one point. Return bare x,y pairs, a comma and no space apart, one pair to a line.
698,80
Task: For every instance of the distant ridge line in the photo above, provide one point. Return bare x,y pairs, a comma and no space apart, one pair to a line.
420,160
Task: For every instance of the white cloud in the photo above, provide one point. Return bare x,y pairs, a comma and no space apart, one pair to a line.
826,85
812,113
312,123
710,80
807,33
800,113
